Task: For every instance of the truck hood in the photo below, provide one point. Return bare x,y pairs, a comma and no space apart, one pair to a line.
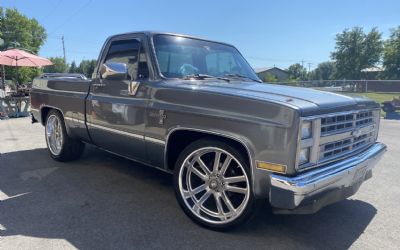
307,101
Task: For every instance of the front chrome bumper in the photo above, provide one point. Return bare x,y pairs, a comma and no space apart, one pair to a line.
310,191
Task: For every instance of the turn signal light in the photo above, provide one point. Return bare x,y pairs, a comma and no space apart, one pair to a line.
271,166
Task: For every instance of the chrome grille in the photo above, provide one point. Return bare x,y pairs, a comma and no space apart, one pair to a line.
364,118
341,147
335,136
344,122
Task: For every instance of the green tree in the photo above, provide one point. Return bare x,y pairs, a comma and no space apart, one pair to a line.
324,71
355,51
24,74
86,67
391,55
73,68
17,30
58,65
297,72
270,78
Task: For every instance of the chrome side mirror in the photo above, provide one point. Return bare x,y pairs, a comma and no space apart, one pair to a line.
114,71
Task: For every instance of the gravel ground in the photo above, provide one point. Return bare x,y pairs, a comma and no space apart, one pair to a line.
105,202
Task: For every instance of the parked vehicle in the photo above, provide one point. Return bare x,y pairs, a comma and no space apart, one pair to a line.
63,75
195,108
391,106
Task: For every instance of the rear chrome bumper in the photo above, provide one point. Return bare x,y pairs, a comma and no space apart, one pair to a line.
310,191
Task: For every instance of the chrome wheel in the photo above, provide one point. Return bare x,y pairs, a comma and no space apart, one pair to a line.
214,185
54,134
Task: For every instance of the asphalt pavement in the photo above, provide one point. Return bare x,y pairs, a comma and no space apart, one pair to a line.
102,201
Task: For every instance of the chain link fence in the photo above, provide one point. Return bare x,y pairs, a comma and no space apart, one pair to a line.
356,86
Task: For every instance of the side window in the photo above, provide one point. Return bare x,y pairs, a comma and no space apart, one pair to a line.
143,68
127,52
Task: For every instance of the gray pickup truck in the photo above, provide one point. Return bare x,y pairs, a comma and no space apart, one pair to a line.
196,109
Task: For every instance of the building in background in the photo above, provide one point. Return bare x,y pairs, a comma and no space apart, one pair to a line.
372,73
273,72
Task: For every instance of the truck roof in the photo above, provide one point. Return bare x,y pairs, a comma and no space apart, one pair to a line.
153,33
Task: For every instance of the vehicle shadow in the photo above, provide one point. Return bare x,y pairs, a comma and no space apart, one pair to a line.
103,201
334,227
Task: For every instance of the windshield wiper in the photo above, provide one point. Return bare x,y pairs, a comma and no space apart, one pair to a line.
242,76
204,76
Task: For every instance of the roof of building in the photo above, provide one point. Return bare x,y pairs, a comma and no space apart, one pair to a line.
259,70
372,69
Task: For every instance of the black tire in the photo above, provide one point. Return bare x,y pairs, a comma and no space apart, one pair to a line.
251,203
71,149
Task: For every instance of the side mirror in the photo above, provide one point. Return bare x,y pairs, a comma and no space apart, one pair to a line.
114,71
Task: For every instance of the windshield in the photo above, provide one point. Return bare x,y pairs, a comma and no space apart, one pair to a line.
179,57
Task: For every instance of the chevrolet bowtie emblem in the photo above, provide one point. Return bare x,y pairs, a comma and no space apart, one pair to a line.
356,133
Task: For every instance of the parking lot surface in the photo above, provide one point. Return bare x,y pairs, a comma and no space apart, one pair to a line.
106,202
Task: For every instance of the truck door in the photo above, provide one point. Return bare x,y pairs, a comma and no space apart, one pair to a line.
116,105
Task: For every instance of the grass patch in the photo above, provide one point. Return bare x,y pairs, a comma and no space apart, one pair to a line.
379,97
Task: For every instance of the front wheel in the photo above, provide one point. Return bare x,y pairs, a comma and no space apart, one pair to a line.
212,184
61,146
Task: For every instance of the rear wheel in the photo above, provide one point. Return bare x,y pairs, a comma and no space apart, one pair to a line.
61,147
212,184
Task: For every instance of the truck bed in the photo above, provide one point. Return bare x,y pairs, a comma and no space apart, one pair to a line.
68,95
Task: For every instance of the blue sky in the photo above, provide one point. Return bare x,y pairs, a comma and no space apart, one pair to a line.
268,33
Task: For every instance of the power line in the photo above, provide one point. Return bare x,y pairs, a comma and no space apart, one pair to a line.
53,10
267,59
71,16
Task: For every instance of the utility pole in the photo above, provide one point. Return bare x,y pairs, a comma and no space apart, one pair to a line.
302,67
63,45
309,71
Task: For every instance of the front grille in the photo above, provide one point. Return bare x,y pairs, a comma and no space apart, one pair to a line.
364,118
339,135
346,133
341,147
344,122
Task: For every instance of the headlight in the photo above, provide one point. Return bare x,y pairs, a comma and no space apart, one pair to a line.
305,130
304,156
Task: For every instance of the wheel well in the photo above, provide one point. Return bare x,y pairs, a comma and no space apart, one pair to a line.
44,111
180,139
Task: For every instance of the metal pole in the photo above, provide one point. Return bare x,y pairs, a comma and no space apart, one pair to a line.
63,45
17,71
3,77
